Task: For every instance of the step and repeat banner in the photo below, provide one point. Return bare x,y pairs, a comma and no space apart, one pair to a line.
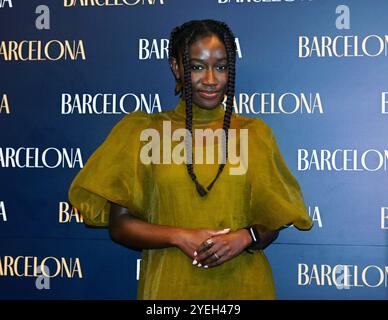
315,71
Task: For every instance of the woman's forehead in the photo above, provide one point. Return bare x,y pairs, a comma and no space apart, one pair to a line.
208,47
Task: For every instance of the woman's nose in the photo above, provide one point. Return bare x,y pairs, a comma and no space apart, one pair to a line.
209,77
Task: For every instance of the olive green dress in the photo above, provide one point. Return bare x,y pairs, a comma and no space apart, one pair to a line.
267,193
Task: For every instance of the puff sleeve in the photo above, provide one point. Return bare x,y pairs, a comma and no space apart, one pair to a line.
277,199
112,173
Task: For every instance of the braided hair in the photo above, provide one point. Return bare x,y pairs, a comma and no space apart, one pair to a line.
180,40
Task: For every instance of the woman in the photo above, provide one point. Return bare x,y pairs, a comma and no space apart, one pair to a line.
202,230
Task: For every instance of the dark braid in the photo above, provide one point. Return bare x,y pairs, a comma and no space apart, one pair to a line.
231,52
171,46
189,117
180,40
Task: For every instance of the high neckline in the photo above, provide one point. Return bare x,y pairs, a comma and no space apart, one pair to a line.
200,114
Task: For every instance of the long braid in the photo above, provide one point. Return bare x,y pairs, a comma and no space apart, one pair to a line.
230,46
189,118
172,48
187,32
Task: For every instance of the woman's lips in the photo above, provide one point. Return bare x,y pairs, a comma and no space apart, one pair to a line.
208,94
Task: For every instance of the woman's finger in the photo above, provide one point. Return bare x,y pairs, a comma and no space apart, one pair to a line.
207,244
222,254
206,256
213,257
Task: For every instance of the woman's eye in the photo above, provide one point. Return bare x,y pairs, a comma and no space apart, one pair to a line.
222,67
193,67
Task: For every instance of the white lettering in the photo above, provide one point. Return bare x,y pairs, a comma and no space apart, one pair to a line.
28,266
342,276
342,46
104,103
270,103
342,160
3,213
35,158
384,218
384,102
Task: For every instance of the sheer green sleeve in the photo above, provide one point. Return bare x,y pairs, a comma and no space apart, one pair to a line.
277,199
113,173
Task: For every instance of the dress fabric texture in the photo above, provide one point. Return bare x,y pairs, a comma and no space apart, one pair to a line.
266,193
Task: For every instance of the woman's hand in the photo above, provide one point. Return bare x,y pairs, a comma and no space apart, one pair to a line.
218,249
189,240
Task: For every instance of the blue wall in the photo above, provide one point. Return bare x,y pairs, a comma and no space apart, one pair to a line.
344,256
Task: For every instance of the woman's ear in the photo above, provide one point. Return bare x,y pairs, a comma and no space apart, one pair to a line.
174,68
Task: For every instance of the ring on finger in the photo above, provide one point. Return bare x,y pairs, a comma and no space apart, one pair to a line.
208,243
216,255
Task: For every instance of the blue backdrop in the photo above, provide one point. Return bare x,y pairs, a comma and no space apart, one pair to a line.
315,71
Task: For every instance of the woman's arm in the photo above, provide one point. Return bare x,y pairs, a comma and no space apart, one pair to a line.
266,236
138,234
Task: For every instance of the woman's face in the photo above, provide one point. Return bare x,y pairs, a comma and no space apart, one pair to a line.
209,71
